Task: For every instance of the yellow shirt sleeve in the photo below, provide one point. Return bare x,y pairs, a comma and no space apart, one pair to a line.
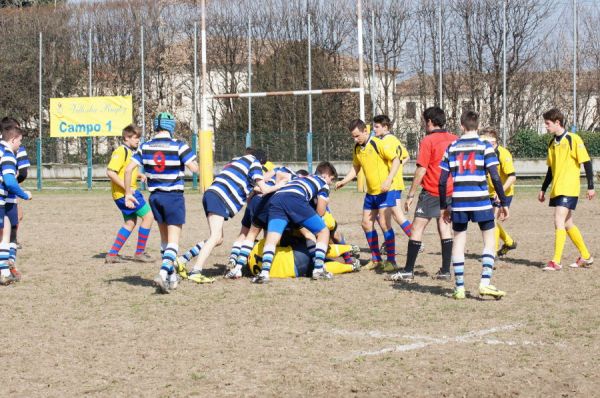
580,153
117,159
355,161
506,162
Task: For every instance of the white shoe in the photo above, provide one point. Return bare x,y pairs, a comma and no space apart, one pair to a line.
162,284
262,278
173,281
235,273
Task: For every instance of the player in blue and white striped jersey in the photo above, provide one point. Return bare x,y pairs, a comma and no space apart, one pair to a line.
292,204
12,135
222,200
469,159
243,245
164,159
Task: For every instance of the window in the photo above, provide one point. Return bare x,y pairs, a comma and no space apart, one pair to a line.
411,110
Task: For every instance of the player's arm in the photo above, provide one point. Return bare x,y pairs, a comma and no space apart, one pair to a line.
321,206
589,176
114,178
497,182
442,185
192,166
385,187
22,174
545,185
12,186
130,200
349,177
266,189
510,180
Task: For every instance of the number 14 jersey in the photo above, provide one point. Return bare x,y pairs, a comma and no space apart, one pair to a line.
468,159
164,159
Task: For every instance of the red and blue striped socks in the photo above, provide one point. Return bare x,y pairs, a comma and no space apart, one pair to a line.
143,234
373,241
120,240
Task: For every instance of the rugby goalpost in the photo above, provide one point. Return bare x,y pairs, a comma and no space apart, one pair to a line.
206,136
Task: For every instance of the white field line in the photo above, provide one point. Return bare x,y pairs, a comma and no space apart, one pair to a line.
425,341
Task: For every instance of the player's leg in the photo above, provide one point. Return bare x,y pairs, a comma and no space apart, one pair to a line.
147,218
122,235
5,277
167,278
246,247
399,215
215,226
458,259
585,259
237,244
497,229
445,232
389,237
487,260
368,225
274,231
13,216
560,216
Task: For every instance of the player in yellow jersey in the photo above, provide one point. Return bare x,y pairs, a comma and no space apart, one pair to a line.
566,154
119,160
506,170
382,127
380,163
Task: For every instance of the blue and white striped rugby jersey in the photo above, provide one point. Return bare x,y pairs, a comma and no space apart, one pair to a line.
164,159
234,183
467,159
310,187
8,165
281,169
22,162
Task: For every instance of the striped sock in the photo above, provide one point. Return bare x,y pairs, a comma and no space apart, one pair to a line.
319,261
346,256
163,246
390,245
193,252
244,253
12,253
235,251
120,240
373,241
143,234
168,258
267,257
311,246
407,228
4,254
487,260
458,263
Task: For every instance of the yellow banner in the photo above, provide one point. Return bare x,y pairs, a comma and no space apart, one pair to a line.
90,116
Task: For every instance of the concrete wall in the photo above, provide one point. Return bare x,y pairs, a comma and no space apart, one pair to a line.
524,167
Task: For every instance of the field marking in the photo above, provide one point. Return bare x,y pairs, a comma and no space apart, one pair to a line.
426,341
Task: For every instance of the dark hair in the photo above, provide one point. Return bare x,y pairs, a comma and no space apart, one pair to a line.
249,150
553,115
436,115
384,120
11,132
259,154
302,173
469,120
7,122
357,124
131,130
327,168
490,132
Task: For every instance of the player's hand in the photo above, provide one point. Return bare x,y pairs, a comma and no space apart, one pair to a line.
446,215
385,187
541,196
339,185
590,194
143,178
503,213
408,203
130,201
29,196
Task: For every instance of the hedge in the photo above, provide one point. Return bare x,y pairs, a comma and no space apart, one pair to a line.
530,144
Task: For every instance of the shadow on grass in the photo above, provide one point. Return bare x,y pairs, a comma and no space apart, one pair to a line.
216,270
134,280
509,260
416,287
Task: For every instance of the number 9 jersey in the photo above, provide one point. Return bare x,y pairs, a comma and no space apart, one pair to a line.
163,159
467,159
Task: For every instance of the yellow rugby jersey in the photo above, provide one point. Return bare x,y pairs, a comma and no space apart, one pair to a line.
374,159
119,160
505,169
391,140
565,159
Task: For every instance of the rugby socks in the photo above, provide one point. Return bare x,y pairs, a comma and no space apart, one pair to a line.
559,244
406,227
12,252
487,261
235,251
373,241
346,255
243,254
458,263
577,239
168,258
311,245
446,255
319,261
267,258
390,245
143,234
120,240
4,254
502,234
411,254
193,252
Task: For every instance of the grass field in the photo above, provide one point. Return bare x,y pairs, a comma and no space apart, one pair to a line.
75,326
